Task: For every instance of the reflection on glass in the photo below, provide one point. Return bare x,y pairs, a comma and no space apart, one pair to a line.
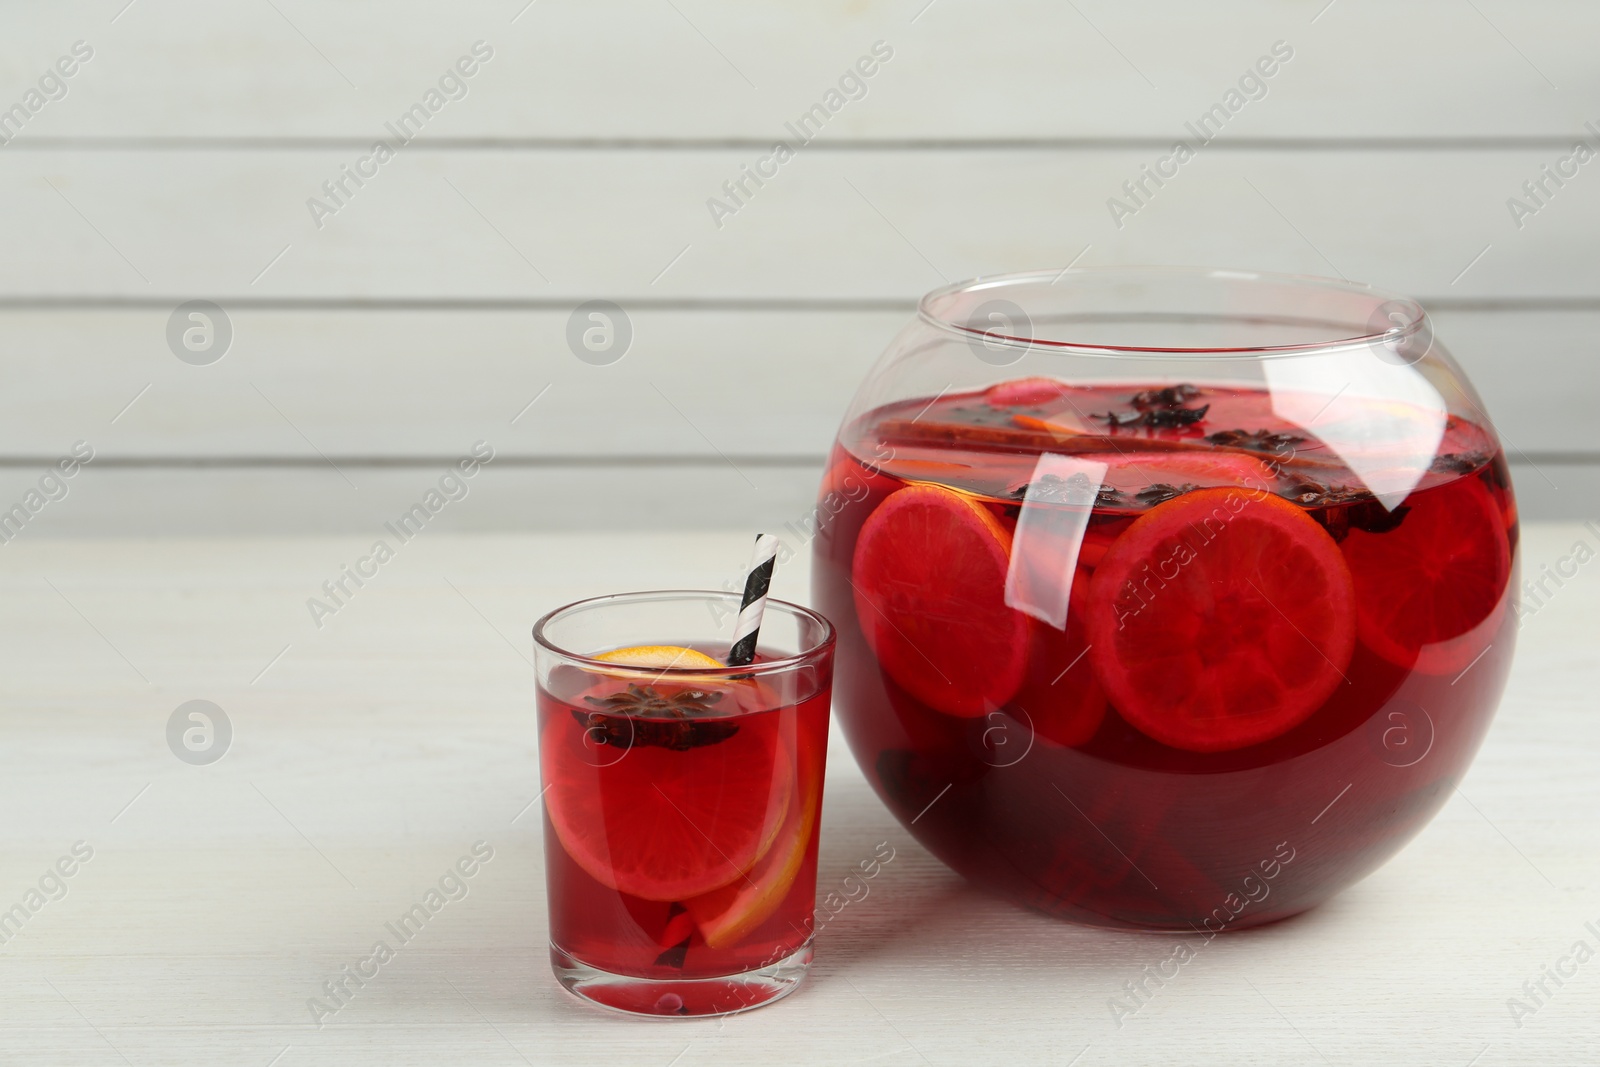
1056,506
1383,421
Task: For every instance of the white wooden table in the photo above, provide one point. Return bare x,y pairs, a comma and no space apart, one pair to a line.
372,753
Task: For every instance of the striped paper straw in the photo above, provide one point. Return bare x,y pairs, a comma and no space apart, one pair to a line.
756,583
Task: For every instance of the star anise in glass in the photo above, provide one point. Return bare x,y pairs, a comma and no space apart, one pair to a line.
640,715
1256,440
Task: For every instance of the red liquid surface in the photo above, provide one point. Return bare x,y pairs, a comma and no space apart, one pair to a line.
681,847
1239,679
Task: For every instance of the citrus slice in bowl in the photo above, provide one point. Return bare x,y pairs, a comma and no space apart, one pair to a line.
1026,392
727,915
1221,619
929,573
662,823
1430,592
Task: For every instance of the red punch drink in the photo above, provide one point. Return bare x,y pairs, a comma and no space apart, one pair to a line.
1166,655
682,800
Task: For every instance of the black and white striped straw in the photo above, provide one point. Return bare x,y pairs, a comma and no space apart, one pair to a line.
754,603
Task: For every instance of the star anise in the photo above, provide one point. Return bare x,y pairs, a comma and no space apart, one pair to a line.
1313,494
1161,408
1074,489
1458,462
642,716
1161,492
1159,418
1173,396
1256,440
643,700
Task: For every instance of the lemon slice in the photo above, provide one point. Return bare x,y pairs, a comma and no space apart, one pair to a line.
658,656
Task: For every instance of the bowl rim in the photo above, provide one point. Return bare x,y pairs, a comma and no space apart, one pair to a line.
1406,316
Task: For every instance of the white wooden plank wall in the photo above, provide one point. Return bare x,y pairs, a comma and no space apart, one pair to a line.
372,344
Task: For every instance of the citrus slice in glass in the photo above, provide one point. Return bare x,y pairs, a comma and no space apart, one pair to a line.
658,656
1221,619
929,573
662,823
727,915
1429,591
667,664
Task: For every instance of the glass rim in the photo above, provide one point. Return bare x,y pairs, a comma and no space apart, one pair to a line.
1414,316
802,658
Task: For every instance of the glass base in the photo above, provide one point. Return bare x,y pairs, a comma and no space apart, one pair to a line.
688,997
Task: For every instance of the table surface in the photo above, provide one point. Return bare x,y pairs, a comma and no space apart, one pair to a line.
368,754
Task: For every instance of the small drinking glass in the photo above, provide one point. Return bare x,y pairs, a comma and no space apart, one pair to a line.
681,802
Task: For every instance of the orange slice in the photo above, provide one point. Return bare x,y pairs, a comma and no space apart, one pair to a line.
1221,619
658,656
1026,392
731,913
654,661
929,573
1432,591
661,824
